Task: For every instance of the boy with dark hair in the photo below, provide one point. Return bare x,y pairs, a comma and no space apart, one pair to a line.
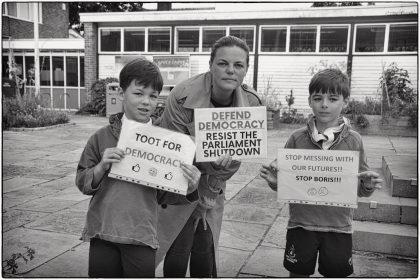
318,229
121,220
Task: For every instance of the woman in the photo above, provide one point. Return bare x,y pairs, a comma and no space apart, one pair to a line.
194,229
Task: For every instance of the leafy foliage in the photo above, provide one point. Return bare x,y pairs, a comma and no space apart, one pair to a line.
269,96
10,265
96,7
290,115
26,112
97,105
399,98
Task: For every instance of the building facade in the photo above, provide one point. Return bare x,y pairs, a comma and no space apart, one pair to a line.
287,45
61,57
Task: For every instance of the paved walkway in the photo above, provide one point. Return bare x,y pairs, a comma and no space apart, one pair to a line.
43,209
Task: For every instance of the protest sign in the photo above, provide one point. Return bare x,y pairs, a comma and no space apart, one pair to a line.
324,177
153,156
240,132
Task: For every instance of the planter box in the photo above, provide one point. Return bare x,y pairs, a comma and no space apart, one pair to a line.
393,127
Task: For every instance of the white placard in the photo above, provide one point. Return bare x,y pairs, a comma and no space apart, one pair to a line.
240,132
153,156
324,177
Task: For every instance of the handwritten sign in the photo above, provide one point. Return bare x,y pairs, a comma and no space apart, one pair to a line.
324,177
153,156
240,132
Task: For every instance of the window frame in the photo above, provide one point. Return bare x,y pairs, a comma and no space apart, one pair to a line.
146,40
317,38
389,31
189,28
253,27
19,11
202,35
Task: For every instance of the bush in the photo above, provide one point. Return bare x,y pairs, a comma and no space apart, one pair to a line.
97,105
370,106
25,112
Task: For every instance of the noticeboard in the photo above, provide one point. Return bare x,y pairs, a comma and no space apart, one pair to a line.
174,68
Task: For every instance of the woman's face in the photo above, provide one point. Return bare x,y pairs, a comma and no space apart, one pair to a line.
229,68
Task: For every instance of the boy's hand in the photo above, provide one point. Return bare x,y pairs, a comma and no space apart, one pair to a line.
110,156
222,162
193,176
269,173
370,180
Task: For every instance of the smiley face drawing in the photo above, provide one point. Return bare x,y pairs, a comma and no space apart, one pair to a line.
312,191
323,191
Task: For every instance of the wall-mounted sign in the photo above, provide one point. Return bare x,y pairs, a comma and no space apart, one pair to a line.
174,68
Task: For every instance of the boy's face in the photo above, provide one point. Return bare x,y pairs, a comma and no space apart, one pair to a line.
326,108
139,102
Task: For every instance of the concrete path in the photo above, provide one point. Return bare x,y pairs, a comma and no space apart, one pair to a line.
43,210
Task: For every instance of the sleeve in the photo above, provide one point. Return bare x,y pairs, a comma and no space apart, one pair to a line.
175,117
89,159
362,190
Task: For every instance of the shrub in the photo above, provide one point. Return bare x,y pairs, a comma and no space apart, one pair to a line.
25,112
97,105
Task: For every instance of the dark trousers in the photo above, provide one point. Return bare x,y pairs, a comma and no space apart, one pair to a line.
115,260
199,245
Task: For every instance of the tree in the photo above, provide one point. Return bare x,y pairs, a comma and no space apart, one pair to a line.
98,7
335,4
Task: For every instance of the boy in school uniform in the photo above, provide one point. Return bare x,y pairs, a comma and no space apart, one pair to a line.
121,222
314,230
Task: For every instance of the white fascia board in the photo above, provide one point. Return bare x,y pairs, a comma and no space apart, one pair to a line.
153,16
63,44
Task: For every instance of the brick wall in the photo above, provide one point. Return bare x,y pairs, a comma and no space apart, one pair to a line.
55,22
91,55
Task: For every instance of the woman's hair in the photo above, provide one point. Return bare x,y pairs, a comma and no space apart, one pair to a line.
144,72
229,41
330,80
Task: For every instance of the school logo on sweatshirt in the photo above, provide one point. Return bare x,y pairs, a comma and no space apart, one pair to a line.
291,256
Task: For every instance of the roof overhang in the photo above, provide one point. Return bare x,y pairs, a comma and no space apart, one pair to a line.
206,15
62,44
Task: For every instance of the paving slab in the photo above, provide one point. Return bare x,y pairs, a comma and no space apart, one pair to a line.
71,156
13,158
238,235
231,261
47,246
73,263
409,211
404,145
276,236
46,204
248,168
10,171
12,218
266,262
65,221
83,205
18,183
241,179
257,215
73,194
257,196
232,189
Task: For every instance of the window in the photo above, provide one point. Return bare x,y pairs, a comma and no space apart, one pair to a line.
273,39
58,70
244,33
44,66
19,65
188,40
30,70
159,40
5,66
71,71
23,11
210,36
403,38
370,38
82,71
110,40
134,40
302,39
333,39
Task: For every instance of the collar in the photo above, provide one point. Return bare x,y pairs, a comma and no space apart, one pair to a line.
198,93
329,135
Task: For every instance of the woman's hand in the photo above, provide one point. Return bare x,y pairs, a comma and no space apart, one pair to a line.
193,176
371,180
222,162
269,173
